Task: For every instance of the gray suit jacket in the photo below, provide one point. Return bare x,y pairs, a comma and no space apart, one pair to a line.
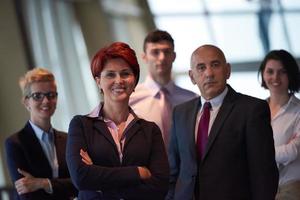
239,160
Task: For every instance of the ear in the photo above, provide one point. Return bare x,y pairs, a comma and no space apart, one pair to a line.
228,70
192,77
174,56
144,57
26,104
98,80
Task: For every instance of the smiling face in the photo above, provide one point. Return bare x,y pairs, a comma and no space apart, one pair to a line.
209,71
43,109
116,80
275,77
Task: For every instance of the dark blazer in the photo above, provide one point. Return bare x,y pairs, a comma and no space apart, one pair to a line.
108,178
239,160
24,151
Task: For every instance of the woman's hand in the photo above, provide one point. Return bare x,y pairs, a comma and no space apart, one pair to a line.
30,183
144,173
85,157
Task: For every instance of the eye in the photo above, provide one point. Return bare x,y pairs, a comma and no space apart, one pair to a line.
37,96
282,71
269,71
51,95
154,52
168,51
109,75
215,64
200,67
126,74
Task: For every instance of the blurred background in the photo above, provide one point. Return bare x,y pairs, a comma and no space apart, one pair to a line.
63,35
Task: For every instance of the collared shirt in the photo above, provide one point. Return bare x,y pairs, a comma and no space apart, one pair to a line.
145,101
40,134
286,133
215,107
113,128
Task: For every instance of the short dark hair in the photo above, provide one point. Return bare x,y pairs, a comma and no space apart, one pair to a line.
115,50
158,36
290,65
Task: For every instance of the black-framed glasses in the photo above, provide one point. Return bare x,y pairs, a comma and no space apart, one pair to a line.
39,96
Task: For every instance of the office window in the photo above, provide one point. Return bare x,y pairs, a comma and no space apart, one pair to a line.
232,25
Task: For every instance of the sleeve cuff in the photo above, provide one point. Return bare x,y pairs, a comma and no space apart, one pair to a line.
50,189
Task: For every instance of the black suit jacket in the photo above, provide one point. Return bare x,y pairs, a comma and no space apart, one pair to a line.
239,160
108,178
24,151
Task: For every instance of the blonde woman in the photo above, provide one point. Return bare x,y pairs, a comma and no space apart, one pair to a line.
36,154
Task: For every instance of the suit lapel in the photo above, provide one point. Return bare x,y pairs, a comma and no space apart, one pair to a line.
60,145
225,109
134,126
35,150
102,129
190,118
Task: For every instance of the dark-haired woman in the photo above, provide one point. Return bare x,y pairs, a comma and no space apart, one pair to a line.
280,75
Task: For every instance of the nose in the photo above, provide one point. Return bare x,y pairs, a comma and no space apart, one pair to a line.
45,99
161,55
276,75
118,78
208,72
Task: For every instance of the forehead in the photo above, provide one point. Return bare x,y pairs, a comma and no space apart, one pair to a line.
207,55
158,45
272,63
116,64
42,86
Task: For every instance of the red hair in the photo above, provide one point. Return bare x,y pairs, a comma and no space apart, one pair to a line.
115,50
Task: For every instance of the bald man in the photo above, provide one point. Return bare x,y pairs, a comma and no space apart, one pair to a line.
235,158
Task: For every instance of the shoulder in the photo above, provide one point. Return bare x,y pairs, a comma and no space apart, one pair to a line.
186,105
295,101
185,92
147,126
60,134
141,94
249,100
16,140
242,99
294,106
141,90
146,123
17,136
80,119
12,139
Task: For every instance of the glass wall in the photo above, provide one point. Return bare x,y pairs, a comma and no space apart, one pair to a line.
244,29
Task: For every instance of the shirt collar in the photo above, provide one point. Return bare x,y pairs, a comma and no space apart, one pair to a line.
97,112
218,100
38,131
155,87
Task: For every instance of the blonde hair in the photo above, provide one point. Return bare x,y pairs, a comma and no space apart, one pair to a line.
33,76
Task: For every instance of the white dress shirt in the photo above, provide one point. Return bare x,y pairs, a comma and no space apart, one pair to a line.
49,152
286,133
215,107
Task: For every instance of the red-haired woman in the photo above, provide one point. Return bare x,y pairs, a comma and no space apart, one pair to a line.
112,153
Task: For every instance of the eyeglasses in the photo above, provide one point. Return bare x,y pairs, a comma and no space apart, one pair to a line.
39,96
